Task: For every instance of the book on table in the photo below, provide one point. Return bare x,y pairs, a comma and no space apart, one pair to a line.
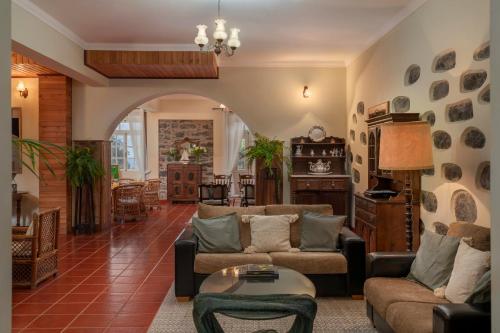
257,271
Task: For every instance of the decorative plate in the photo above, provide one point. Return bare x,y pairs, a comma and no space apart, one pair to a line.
317,133
320,173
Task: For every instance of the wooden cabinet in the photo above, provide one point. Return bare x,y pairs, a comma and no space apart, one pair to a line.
183,181
333,189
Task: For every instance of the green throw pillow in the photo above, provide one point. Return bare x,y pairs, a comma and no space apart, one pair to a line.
320,233
219,234
434,260
482,291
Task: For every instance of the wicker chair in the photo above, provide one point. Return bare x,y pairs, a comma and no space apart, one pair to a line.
151,194
34,250
127,202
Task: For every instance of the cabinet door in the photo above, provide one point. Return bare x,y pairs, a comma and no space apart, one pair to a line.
174,178
306,198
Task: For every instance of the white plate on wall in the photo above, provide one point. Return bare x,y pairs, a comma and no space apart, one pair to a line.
317,133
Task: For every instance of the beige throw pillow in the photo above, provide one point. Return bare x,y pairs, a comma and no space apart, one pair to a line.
470,265
269,233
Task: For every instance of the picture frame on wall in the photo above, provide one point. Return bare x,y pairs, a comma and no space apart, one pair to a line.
379,110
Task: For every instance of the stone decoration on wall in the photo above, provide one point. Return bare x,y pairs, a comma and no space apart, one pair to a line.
451,172
459,111
440,228
363,138
429,116
441,139
482,52
354,119
439,89
170,131
356,175
472,80
444,61
473,137
463,206
412,74
483,176
359,159
484,95
401,104
352,134
360,109
429,201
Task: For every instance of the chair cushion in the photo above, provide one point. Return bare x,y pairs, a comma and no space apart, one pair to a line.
295,228
311,262
382,292
207,211
208,263
480,235
410,317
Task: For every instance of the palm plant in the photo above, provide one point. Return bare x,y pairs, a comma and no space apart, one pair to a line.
31,150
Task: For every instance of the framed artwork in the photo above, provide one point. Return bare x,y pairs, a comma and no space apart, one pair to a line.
379,110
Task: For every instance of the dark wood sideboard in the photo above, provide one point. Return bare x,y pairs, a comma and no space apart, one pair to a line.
183,181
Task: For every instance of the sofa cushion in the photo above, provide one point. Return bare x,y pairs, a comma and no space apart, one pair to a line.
382,292
269,233
295,228
208,263
480,235
207,211
320,233
410,317
217,234
311,262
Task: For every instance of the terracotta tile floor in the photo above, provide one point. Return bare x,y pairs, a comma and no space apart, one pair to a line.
108,282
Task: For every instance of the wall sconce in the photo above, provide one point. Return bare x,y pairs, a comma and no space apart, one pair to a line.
306,92
23,91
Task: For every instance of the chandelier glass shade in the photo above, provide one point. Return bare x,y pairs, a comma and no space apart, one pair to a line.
220,35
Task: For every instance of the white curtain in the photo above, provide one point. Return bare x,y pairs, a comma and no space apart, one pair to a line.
136,121
235,129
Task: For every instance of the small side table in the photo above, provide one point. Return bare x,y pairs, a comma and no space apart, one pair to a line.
18,197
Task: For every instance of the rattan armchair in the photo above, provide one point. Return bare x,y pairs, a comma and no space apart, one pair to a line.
34,250
151,194
127,202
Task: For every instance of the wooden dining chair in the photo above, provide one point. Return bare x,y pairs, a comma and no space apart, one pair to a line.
246,185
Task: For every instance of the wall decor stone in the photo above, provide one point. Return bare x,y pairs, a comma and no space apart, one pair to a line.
460,111
428,172
451,172
429,201
362,138
484,95
360,109
354,119
473,137
349,153
445,61
441,139
440,228
472,80
429,116
464,206
439,89
483,176
359,159
356,175
352,134
482,52
412,74
401,104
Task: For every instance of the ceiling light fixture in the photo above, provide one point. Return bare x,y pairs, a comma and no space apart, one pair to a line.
306,92
21,88
219,35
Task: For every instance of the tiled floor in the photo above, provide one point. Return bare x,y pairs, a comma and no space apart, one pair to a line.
109,282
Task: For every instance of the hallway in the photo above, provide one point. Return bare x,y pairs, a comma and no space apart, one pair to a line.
109,282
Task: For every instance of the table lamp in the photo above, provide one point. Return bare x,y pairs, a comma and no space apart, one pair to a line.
406,146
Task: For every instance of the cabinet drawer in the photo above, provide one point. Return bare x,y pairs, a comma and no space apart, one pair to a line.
333,184
365,216
366,205
308,184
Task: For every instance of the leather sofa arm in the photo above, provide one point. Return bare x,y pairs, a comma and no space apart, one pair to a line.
353,248
185,251
389,264
458,318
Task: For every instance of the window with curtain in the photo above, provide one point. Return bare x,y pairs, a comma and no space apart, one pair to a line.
242,160
122,150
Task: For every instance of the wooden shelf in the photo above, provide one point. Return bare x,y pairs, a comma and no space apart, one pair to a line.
318,157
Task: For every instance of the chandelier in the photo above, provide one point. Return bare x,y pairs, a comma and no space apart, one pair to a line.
220,35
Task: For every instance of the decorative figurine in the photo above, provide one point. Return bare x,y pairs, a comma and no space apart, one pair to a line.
298,151
323,152
312,152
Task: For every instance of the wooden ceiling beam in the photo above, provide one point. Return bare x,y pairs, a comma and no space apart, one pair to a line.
22,66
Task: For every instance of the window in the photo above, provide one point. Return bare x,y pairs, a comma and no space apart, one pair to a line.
122,152
242,161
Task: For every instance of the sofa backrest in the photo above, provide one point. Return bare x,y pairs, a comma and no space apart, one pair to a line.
296,227
480,235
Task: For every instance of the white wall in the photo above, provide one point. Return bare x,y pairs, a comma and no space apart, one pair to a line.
5,171
184,109
378,75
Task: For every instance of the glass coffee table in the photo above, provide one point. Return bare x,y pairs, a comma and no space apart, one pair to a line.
227,280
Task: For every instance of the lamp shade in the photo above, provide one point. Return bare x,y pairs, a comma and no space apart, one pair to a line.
405,146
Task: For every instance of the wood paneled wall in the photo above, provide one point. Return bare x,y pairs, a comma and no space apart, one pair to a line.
55,127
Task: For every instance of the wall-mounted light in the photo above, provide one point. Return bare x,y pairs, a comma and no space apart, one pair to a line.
306,92
23,91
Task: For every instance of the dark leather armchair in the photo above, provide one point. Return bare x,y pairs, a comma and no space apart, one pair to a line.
446,318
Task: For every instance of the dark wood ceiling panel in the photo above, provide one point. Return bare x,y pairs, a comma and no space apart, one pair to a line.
153,64
22,66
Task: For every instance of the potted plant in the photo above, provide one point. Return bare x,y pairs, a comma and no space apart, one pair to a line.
83,170
197,151
173,154
268,155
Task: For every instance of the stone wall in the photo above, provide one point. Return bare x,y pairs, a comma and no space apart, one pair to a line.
170,131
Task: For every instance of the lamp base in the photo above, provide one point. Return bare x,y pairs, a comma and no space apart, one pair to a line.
408,192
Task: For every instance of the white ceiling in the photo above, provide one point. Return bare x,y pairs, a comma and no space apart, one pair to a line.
273,32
